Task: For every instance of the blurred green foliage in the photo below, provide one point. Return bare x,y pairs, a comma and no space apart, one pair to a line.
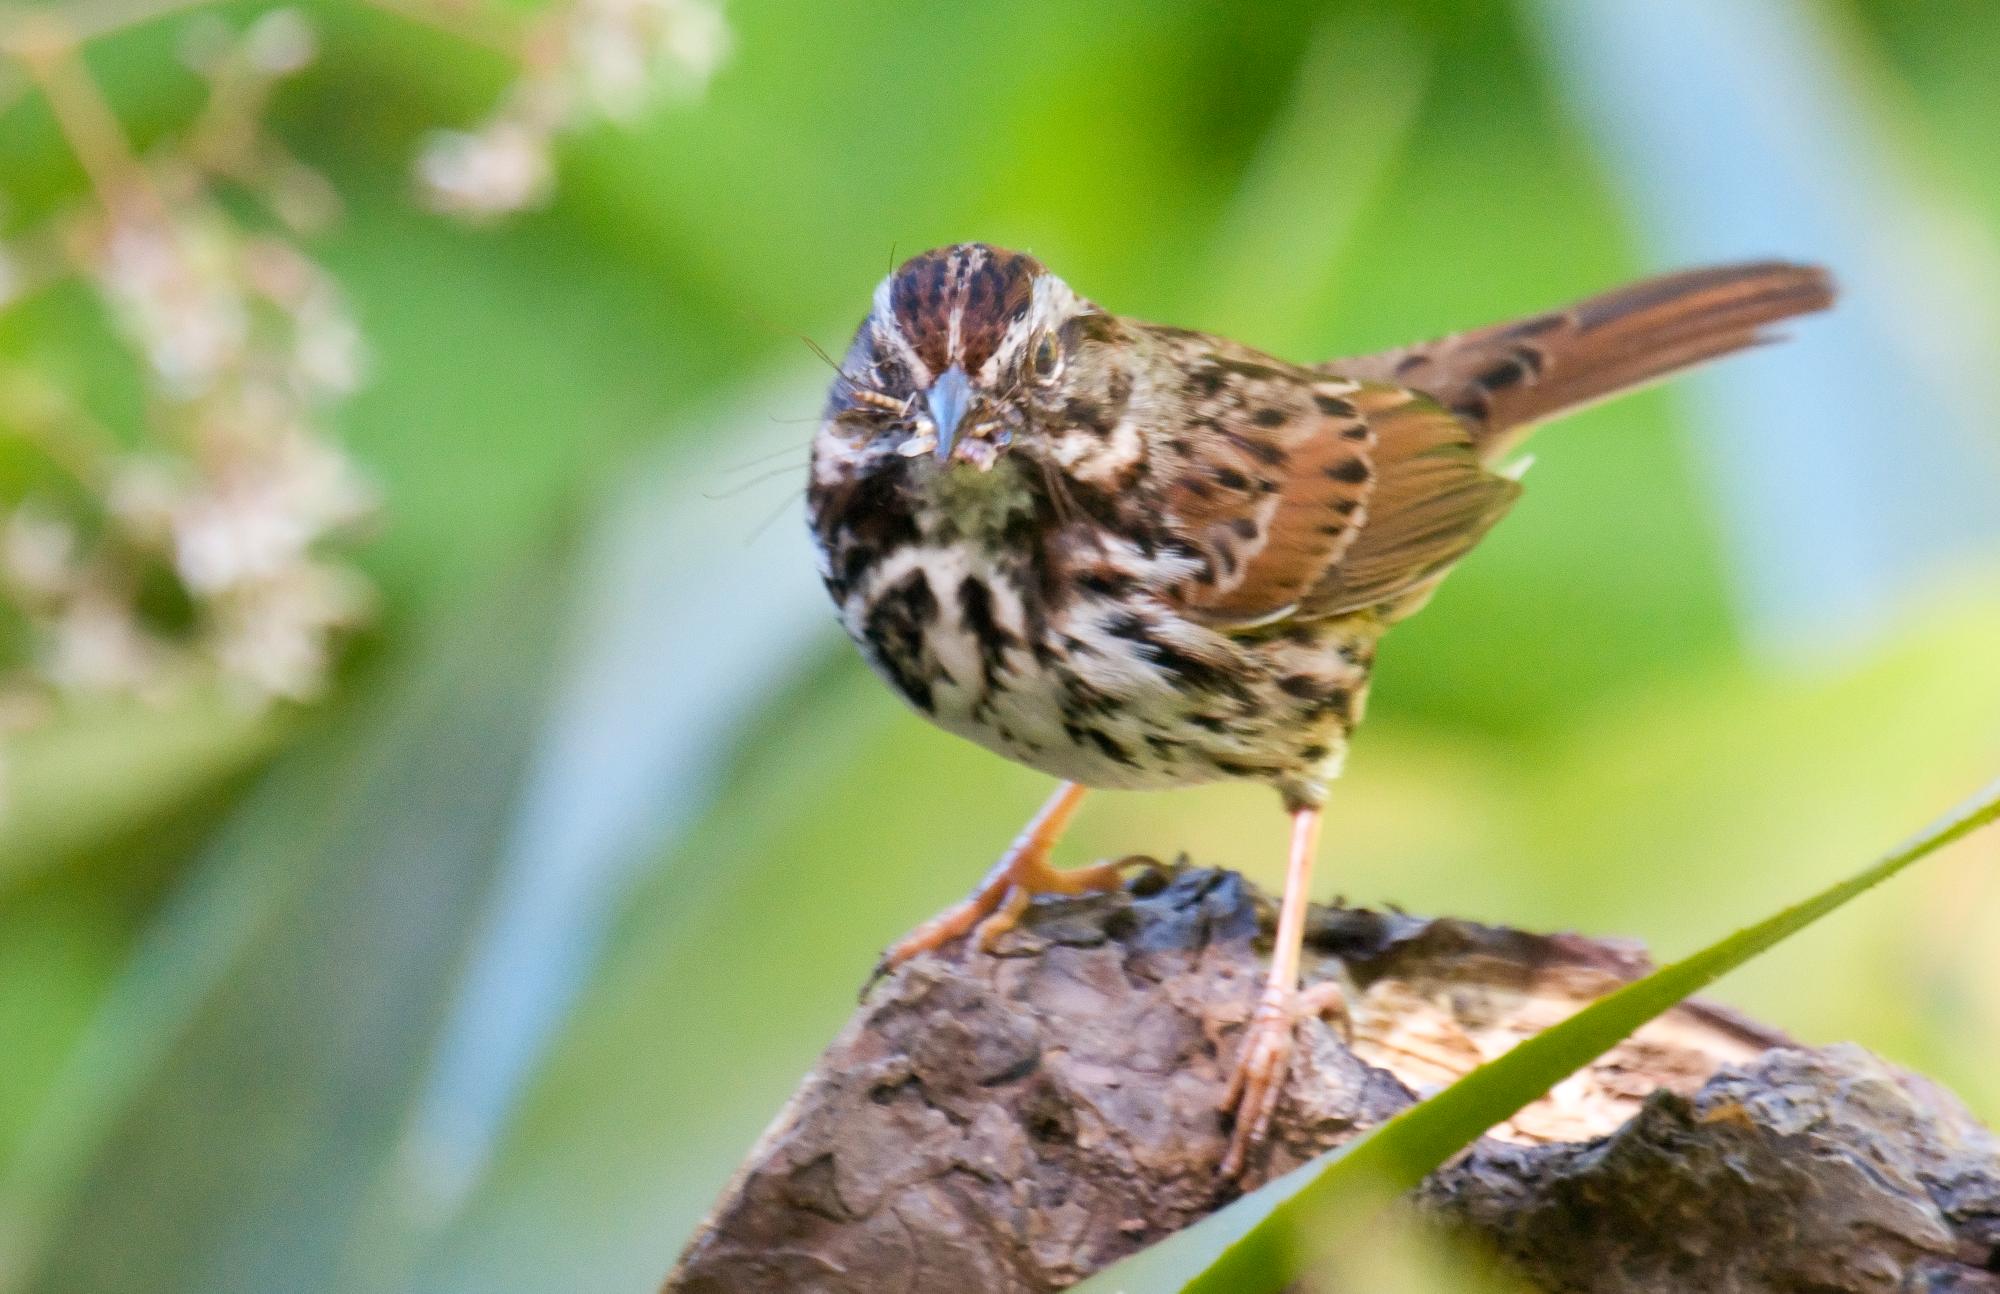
228,949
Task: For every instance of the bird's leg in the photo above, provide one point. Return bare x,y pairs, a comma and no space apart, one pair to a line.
1267,1042
1022,872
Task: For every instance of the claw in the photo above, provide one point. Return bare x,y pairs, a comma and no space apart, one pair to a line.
997,907
973,912
1259,1077
1265,1062
875,976
986,935
992,909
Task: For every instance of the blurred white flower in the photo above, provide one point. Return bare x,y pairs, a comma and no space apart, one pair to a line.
697,38
95,644
279,43
38,551
142,496
173,291
325,356
623,53
273,638
262,511
611,65
237,487
501,168
612,59
327,347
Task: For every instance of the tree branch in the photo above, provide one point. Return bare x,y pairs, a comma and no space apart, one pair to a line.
1019,1121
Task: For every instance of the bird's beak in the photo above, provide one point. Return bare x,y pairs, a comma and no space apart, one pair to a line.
948,399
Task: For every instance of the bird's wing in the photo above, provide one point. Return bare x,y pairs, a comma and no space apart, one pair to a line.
1303,495
1434,500
1357,484
1267,471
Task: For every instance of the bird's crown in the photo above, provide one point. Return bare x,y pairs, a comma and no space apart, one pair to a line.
960,305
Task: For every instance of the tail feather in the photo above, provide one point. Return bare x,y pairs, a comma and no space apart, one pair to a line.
1505,379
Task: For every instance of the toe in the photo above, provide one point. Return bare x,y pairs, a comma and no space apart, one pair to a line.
1258,1080
987,934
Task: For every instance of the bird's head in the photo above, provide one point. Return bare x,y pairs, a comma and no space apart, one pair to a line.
969,351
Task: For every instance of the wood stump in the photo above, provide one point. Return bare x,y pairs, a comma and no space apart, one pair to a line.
1019,1120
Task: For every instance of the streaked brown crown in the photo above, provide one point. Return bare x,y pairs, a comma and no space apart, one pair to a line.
985,289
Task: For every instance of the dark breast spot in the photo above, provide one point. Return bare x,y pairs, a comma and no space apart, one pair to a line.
975,608
1187,669
860,521
1323,696
895,627
867,510
1112,750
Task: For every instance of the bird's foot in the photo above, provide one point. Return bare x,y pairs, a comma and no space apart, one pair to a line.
1266,1058
995,907
1098,878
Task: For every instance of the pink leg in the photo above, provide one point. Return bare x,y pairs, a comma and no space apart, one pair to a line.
1267,1044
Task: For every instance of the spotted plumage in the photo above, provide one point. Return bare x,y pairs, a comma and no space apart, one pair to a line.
1137,556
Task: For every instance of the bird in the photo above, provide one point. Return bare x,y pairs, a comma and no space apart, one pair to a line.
1135,556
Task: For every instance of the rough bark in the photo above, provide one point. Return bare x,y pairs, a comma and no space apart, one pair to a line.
1021,1120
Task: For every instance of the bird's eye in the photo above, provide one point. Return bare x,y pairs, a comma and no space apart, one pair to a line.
1045,355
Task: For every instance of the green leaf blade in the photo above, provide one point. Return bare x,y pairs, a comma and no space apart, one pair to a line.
1356,1181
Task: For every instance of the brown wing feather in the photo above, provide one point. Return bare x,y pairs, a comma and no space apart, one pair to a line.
1434,501
1322,513
1506,378
1313,499
1269,478
1363,497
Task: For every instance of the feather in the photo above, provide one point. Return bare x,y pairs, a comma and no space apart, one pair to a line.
1269,473
1505,379
1434,500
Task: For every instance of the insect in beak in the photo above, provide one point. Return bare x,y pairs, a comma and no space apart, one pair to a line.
947,400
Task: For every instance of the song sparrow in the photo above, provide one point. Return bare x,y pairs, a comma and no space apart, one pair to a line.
1137,556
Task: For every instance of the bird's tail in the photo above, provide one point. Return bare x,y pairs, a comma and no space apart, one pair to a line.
1505,379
